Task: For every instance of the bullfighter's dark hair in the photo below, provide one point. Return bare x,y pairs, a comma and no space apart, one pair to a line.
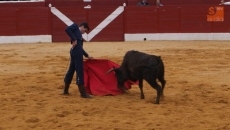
85,24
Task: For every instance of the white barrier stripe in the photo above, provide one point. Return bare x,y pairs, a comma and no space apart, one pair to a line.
61,16
105,22
26,39
65,19
96,30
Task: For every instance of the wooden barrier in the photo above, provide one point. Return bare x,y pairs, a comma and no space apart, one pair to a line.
173,19
190,2
111,23
17,4
81,3
25,21
114,31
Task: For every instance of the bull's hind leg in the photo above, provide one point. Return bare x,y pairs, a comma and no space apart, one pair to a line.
156,86
163,82
141,88
161,77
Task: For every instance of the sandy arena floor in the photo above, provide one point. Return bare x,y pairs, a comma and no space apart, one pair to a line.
197,93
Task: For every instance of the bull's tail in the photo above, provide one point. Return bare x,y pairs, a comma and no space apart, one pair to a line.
159,62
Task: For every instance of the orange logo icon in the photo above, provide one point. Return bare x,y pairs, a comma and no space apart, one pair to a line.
215,14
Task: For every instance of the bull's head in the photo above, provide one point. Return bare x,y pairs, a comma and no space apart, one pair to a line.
120,78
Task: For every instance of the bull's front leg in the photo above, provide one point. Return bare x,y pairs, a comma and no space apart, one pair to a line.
141,88
122,88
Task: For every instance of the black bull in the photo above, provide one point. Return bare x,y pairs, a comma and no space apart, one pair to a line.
141,66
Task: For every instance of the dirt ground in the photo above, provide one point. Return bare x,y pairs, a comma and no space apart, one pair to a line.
197,92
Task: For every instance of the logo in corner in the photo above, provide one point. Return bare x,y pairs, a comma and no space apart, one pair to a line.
215,14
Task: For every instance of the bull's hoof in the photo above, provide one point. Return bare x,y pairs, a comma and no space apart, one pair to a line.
124,90
65,93
156,103
142,97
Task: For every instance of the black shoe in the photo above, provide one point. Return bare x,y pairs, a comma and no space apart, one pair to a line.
66,89
83,92
86,96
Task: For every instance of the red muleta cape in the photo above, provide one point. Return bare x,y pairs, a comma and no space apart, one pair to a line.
97,82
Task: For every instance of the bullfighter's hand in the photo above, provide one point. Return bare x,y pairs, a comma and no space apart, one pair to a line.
90,57
74,43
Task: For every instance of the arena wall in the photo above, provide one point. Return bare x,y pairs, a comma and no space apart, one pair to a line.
23,25
41,23
105,25
4,4
176,23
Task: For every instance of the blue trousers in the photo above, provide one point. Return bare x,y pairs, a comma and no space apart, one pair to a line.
76,64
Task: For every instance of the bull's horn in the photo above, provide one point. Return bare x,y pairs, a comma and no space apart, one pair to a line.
112,69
